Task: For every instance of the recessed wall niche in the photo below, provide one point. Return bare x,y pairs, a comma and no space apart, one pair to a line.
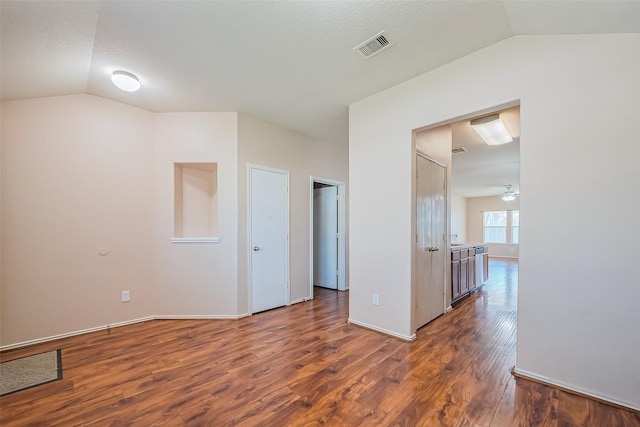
195,202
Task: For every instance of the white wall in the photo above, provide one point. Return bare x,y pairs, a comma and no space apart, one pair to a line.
458,218
476,206
580,103
82,173
266,144
77,177
196,278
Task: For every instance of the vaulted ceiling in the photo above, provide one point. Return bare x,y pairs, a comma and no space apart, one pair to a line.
288,62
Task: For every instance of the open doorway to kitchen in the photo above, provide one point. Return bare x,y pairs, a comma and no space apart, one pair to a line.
483,201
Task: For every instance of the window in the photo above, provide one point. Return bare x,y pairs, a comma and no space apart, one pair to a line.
501,226
515,225
495,227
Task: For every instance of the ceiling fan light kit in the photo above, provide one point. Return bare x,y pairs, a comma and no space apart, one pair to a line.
492,130
509,195
125,81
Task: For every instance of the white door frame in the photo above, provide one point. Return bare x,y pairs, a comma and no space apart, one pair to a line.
342,252
250,167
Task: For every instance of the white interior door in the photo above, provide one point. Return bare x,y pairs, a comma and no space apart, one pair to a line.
325,237
430,243
269,246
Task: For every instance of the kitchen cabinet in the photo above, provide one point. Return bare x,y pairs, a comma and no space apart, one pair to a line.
464,271
455,276
465,277
471,270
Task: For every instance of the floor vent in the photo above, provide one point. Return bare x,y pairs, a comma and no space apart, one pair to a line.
374,45
458,150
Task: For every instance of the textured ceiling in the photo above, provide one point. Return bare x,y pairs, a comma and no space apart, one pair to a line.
287,62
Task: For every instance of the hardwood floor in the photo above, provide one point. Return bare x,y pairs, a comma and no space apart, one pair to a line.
303,366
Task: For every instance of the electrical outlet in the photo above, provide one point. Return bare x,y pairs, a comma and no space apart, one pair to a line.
126,296
376,299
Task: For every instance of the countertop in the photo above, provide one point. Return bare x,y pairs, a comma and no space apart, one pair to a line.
456,246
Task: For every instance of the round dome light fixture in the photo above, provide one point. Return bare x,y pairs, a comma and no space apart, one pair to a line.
125,80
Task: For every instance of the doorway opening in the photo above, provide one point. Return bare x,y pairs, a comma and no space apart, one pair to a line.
483,207
327,264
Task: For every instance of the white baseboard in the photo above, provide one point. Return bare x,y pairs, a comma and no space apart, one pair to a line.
126,322
300,300
448,309
384,331
571,388
74,333
199,316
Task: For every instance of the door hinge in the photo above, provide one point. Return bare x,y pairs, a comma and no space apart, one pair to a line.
337,235
337,272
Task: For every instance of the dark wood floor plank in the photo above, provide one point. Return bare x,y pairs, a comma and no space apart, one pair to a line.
526,403
304,365
573,411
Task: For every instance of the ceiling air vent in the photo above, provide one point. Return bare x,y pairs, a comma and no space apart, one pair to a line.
374,45
458,150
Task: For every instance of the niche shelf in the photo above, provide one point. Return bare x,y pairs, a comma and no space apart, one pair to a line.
195,203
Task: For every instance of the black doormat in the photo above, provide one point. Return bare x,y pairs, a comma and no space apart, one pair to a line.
30,371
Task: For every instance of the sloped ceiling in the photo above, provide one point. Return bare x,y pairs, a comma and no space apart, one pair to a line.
287,62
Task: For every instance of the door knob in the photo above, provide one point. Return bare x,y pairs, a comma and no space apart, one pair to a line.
256,248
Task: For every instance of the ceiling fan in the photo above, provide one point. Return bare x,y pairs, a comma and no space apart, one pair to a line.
509,195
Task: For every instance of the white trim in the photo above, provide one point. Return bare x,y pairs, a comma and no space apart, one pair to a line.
250,167
305,299
201,316
195,239
74,333
125,323
560,384
431,159
342,235
384,331
449,309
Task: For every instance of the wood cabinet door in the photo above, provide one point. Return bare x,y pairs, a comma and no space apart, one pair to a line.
471,272
464,283
455,280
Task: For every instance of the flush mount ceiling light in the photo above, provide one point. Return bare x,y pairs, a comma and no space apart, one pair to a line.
125,81
491,129
509,195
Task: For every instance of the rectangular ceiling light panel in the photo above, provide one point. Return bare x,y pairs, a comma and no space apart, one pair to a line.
492,130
